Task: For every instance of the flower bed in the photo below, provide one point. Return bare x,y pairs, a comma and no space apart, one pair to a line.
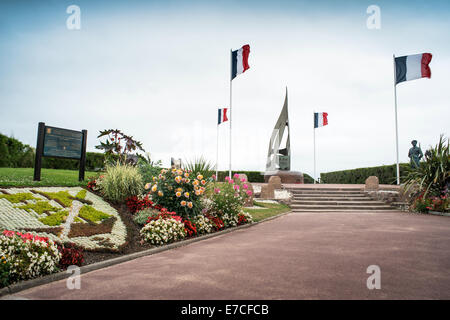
64,215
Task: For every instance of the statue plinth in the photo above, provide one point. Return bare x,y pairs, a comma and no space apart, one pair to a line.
286,176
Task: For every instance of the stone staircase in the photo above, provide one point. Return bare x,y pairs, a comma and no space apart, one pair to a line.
311,199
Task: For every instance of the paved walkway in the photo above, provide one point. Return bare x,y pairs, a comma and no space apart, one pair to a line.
296,256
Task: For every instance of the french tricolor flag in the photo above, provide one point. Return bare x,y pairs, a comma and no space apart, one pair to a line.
222,115
320,119
412,67
239,61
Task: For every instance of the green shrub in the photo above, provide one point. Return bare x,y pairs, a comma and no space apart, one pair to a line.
385,174
121,181
433,174
92,214
200,166
15,154
142,216
55,219
148,168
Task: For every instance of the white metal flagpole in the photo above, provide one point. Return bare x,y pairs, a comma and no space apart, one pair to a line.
231,88
396,121
217,153
314,139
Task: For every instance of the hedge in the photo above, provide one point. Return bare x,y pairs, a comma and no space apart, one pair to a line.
257,176
385,174
15,154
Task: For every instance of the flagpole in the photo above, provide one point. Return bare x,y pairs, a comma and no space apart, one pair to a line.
314,139
231,90
396,121
217,154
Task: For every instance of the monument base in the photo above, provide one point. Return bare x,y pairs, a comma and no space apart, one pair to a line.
286,176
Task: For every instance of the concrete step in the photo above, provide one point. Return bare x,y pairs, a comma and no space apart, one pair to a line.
332,197
341,207
341,210
338,203
326,192
325,189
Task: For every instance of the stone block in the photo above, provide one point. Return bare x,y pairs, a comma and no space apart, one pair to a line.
267,191
275,181
372,183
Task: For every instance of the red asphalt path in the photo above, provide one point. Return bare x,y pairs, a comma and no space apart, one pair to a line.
296,256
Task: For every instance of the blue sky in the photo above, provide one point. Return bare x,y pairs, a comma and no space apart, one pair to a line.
159,71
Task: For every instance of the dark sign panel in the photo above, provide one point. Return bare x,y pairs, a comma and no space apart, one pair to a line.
62,143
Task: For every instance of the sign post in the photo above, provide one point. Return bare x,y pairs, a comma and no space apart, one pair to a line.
60,143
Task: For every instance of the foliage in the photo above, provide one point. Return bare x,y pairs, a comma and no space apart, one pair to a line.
190,228
14,154
433,174
120,181
137,203
148,168
23,177
178,190
433,203
4,271
244,217
28,255
143,215
55,219
118,143
385,174
163,230
203,224
227,199
39,207
200,166
253,176
81,194
71,255
18,197
92,214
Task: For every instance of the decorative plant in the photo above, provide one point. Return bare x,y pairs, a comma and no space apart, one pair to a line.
178,190
71,254
118,143
148,168
201,166
163,230
433,175
120,182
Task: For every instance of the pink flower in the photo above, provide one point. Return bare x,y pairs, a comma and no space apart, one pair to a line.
243,180
236,187
214,177
231,181
245,186
249,193
236,176
227,178
217,190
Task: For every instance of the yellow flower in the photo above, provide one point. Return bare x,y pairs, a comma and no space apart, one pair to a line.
179,172
199,177
147,186
180,190
154,188
160,193
178,194
195,182
189,204
154,178
183,203
178,179
186,194
186,175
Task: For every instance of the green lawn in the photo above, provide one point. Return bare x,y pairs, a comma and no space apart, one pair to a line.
272,209
23,177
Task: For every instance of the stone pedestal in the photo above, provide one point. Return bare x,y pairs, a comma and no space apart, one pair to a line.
275,181
267,191
285,176
372,184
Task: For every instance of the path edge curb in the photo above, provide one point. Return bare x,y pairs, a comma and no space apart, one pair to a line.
21,286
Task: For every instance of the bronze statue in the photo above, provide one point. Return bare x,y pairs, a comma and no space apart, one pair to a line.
415,154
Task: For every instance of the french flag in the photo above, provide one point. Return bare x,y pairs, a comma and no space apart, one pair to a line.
412,67
320,119
222,115
239,61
